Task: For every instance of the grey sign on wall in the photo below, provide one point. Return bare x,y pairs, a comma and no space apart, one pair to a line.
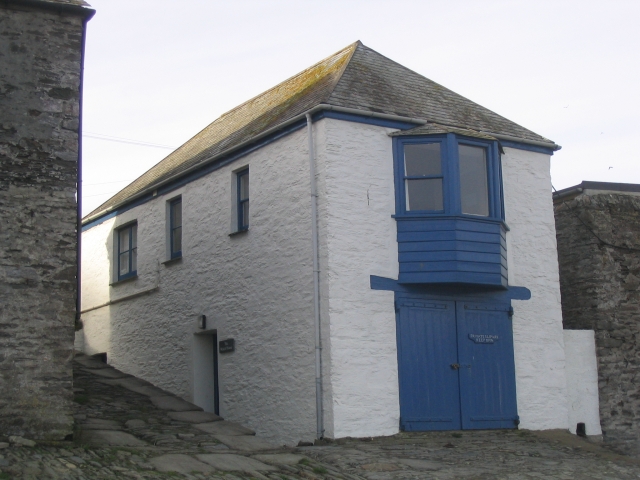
226,346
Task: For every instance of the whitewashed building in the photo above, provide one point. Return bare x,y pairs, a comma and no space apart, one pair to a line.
354,252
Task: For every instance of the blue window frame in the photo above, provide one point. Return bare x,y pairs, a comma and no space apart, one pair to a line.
127,251
243,199
175,227
448,175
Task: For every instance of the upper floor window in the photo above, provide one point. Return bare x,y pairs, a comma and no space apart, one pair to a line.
243,199
175,227
448,175
127,251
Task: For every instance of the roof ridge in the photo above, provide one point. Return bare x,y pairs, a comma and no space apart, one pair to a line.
355,46
300,74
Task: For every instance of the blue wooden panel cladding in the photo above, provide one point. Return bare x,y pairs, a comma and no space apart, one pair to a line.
452,250
455,365
428,386
488,378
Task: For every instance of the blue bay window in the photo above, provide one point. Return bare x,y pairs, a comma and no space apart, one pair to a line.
449,210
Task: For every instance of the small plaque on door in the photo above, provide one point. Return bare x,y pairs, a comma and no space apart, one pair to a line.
226,346
482,338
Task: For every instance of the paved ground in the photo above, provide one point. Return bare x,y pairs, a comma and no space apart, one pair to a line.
128,428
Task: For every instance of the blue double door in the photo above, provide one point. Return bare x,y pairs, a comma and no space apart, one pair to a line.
455,365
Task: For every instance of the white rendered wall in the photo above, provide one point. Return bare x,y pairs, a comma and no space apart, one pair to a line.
255,287
358,201
95,336
533,263
582,380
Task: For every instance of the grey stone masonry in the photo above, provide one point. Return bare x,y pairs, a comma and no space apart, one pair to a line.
599,253
40,75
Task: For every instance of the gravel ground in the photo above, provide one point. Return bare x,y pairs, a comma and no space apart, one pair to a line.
122,433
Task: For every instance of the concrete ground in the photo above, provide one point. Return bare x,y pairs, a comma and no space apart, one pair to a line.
127,428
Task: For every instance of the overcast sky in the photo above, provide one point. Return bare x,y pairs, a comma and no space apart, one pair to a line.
157,72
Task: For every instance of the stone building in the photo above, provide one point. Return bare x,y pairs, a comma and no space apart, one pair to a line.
380,249
598,232
41,58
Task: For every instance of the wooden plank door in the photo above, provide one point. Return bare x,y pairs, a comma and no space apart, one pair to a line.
487,371
429,391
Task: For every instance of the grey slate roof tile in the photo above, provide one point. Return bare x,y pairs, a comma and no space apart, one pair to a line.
356,77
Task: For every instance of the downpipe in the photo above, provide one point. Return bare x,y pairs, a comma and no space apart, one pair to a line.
316,281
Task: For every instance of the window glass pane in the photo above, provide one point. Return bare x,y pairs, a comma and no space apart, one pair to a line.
176,240
123,263
244,186
474,195
422,159
134,259
123,240
134,236
424,194
176,208
245,214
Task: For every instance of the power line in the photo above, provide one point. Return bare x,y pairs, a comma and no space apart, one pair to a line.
103,183
109,138
99,194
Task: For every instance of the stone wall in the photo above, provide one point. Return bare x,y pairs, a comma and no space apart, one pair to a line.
40,64
599,252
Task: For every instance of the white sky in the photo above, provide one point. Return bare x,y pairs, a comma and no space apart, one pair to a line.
159,71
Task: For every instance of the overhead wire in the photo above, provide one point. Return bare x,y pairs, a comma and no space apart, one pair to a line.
110,138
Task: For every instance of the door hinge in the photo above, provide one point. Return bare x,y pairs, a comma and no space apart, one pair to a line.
395,306
510,311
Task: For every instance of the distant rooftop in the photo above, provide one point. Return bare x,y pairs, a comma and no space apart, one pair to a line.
356,78
73,6
79,3
599,187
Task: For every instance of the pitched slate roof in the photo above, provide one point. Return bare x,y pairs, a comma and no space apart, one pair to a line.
356,77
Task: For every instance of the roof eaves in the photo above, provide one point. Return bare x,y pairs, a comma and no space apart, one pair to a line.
154,186
432,128
321,107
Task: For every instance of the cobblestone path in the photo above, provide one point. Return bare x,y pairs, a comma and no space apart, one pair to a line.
127,428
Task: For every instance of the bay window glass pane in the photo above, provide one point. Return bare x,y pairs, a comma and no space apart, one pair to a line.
134,259
422,160
245,213
176,214
124,263
124,240
176,240
134,236
244,186
424,194
474,192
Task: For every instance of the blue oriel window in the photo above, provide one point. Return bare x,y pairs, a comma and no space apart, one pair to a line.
448,175
449,211
243,199
175,227
127,251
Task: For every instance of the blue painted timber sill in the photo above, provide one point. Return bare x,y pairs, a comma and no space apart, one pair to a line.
452,250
